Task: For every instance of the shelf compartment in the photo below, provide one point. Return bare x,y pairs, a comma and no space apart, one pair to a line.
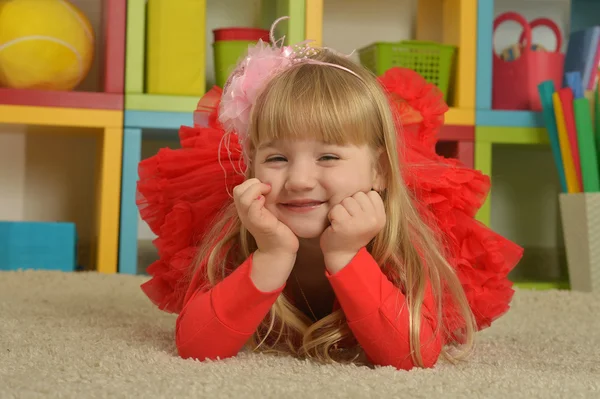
136,96
107,92
107,125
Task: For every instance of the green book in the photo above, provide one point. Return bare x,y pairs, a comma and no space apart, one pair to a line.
586,140
597,119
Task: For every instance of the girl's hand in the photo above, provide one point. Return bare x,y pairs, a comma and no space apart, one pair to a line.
270,234
354,223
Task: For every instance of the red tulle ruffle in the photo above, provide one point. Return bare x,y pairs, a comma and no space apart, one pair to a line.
179,194
181,191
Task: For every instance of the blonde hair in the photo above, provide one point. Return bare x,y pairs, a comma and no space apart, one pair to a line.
336,106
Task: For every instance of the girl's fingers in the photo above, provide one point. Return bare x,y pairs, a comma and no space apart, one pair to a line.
338,213
241,188
352,206
252,193
364,202
256,207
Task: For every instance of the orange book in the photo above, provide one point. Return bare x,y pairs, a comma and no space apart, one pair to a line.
566,99
573,185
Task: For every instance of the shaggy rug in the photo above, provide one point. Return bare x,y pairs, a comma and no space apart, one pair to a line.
88,335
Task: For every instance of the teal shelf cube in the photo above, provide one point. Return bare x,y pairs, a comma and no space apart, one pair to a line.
38,246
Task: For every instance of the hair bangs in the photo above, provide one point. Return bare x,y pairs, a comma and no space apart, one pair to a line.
315,102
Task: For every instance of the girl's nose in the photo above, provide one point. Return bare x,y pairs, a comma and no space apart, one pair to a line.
300,178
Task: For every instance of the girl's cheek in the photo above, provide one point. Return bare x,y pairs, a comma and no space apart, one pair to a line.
267,176
260,174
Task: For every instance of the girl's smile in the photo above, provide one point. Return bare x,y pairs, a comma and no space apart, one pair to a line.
302,205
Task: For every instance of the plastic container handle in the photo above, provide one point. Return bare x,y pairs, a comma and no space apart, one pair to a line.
550,24
513,16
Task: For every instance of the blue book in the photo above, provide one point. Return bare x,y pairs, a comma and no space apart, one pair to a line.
583,56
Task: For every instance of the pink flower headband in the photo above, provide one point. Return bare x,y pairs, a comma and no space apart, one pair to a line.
262,62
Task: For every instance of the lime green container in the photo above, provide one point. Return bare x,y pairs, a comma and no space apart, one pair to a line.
433,61
227,54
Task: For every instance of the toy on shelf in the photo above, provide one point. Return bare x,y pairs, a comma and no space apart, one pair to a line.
516,78
514,51
38,245
44,45
21,16
229,45
176,47
434,61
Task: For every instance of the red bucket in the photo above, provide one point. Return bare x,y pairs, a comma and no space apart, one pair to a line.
245,34
515,83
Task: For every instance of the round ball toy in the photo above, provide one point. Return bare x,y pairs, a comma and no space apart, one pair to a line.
44,44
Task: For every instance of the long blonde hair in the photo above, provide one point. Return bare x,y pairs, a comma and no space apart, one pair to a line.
335,106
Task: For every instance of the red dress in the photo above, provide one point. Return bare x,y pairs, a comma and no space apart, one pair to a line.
180,191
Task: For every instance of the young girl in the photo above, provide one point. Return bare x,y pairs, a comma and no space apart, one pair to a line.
308,213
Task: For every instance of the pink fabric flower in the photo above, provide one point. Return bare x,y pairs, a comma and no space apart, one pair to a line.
261,64
246,83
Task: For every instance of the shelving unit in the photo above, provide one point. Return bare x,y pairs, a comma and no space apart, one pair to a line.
454,25
136,95
108,125
499,127
96,110
125,115
458,142
454,22
488,136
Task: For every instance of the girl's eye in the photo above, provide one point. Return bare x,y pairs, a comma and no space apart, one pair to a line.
276,159
328,158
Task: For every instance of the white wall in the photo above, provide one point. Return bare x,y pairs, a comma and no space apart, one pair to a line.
47,177
12,172
361,23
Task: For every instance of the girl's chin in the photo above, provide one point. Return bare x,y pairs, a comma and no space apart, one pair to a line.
308,232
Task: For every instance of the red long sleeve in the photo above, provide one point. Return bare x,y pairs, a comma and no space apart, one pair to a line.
218,322
377,314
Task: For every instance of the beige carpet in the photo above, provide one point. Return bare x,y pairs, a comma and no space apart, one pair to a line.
95,336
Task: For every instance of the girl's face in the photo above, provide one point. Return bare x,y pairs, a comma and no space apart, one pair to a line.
309,177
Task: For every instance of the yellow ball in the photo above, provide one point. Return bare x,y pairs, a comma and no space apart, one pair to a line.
44,44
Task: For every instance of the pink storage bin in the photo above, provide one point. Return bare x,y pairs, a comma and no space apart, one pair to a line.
515,83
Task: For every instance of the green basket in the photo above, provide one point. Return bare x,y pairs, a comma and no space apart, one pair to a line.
431,60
